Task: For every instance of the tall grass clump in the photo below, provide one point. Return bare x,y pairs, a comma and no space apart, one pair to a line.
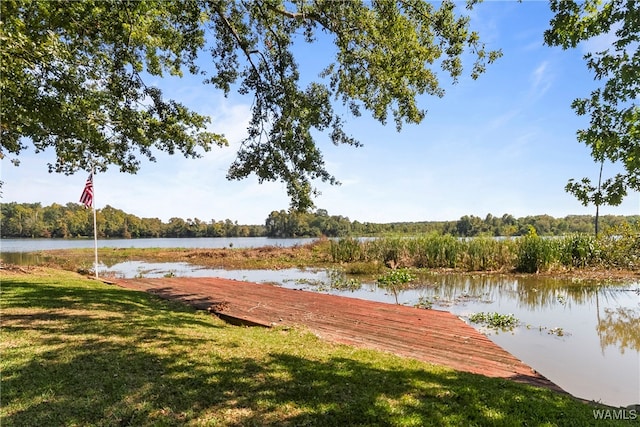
435,251
578,250
534,253
345,250
388,250
484,253
393,251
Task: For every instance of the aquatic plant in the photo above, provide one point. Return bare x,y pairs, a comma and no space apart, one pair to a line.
425,302
338,280
495,320
435,250
395,281
485,253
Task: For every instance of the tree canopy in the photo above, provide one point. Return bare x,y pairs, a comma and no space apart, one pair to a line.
76,77
23,220
613,134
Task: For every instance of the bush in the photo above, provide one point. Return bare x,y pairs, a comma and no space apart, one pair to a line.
620,247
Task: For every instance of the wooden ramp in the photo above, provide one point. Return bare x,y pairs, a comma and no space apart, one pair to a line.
433,336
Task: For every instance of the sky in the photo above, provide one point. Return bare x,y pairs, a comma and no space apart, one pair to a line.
502,144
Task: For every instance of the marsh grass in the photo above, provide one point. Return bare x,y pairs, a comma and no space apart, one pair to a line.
316,254
77,352
616,249
535,254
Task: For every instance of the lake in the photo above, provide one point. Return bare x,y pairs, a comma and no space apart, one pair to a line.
32,245
582,335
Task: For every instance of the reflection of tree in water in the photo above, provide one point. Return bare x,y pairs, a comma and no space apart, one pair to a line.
530,293
619,327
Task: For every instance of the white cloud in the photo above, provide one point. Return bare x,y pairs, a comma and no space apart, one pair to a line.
230,119
503,119
541,80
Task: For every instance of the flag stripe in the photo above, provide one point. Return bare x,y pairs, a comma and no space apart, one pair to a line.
87,194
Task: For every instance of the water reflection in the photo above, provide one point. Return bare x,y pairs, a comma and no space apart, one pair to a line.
22,258
616,307
620,327
583,335
529,292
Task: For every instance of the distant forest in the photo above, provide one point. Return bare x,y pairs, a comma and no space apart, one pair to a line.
32,220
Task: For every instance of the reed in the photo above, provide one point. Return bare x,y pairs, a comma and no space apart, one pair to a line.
435,251
534,253
578,250
486,253
345,250
617,249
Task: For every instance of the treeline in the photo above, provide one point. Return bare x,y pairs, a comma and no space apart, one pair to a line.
296,224
74,220
306,224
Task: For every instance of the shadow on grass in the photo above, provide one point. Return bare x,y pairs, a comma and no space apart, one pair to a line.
129,361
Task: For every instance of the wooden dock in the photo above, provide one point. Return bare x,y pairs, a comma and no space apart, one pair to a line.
433,336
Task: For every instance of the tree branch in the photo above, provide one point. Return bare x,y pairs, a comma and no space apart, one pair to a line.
233,31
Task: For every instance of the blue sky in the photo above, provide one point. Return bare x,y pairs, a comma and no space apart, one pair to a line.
504,143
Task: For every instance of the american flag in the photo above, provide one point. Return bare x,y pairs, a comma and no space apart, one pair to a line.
87,194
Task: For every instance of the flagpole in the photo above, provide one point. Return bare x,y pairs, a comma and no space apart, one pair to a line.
95,228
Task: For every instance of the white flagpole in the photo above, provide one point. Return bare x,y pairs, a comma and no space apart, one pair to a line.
95,228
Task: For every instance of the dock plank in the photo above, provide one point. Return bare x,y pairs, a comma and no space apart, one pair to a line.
432,336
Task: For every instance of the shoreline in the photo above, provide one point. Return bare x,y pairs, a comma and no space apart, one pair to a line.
302,256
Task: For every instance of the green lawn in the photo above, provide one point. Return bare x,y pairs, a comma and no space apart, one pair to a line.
77,352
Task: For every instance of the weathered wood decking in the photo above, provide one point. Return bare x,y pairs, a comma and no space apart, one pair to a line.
429,335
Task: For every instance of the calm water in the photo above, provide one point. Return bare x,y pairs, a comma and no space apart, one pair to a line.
584,336
31,245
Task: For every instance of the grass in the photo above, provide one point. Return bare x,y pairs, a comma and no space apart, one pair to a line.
77,352
269,257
